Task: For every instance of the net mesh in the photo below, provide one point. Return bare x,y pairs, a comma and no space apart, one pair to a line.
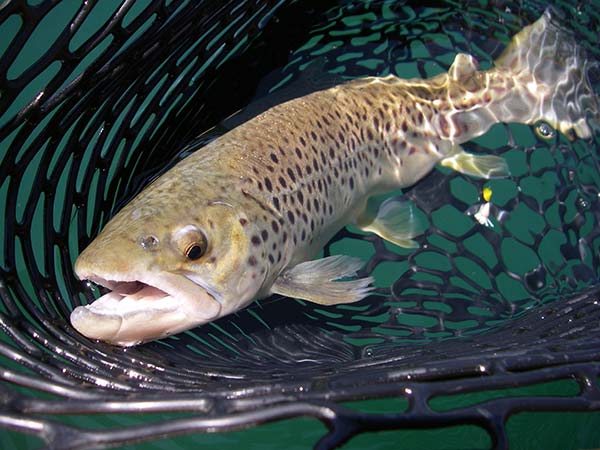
111,94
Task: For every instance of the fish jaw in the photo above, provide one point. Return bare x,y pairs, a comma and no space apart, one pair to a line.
143,308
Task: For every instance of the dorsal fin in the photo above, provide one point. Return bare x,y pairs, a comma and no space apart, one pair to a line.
463,68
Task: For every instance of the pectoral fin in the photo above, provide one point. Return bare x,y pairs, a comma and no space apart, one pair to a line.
314,281
479,166
397,221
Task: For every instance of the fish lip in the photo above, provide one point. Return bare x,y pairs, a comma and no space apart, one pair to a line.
187,305
167,282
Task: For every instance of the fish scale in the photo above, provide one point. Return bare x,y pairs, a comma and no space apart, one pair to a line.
242,218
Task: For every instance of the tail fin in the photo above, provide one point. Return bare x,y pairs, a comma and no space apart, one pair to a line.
551,71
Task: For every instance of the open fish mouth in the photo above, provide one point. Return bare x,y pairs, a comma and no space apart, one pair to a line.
140,309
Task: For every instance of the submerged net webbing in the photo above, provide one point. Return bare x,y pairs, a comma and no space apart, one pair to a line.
111,93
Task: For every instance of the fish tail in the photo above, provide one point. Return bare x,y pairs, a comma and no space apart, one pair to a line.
551,76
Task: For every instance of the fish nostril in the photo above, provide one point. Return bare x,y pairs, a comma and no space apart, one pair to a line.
148,242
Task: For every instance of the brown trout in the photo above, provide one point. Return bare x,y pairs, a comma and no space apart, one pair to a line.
241,218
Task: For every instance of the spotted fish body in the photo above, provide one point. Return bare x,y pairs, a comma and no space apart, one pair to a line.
242,218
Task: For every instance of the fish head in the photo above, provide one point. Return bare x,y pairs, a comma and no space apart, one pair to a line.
168,272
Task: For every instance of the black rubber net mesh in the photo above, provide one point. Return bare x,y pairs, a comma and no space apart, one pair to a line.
96,99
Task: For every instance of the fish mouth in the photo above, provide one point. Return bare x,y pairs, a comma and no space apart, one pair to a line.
143,308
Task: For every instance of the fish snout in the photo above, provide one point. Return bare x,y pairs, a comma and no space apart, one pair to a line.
99,261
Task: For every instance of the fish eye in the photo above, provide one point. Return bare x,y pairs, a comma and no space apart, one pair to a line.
195,250
191,241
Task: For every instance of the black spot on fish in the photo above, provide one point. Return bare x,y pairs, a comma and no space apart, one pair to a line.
299,153
313,135
291,217
275,226
291,174
252,261
264,234
274,158
255,240
300,197
303,236
276,203
271,259
303,141
351,182
284,237
243,222
282,182
268,185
